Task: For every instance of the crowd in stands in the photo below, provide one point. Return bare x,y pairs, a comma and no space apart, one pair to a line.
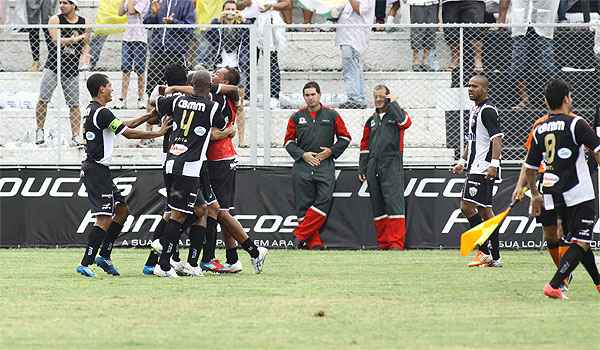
146,52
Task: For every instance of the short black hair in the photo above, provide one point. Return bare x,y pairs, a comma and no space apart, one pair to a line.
311,85
555,92
232,76
95,82
229,2
175,74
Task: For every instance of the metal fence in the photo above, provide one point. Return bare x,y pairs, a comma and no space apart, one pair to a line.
426,67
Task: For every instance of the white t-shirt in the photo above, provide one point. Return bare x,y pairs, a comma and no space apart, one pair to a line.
137,34
251,11
356,37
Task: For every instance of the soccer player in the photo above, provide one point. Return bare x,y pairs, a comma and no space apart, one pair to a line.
109,207
481,160
567,187
175,74
380,164
556,246
222,168
309,139
193,117
221,177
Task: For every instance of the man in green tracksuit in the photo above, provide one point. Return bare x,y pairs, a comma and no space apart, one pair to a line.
381,166
309,139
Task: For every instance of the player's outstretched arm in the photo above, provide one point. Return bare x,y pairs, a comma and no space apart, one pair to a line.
138,134
135,122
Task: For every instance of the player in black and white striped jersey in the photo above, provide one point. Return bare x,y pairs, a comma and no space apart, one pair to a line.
481,160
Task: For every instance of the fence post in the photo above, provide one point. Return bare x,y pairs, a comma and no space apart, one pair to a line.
253,124
58,80
266,73
461,64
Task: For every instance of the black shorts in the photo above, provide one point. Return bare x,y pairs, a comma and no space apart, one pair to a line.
222,178
478,190
206,189
182,193
578,221
102,192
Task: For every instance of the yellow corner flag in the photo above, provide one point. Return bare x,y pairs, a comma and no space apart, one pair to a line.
480,233
477,235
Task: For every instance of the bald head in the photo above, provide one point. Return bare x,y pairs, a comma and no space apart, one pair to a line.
478,88
481,80
201,80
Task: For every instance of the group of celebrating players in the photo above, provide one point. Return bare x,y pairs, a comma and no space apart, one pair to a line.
197,113
555,171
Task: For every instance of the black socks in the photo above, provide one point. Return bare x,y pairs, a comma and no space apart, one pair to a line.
197,235
211,240
94,240
109,239
568,263
250,247
231,255
169,240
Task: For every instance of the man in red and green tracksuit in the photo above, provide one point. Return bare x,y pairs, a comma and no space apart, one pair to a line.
380,164
309,139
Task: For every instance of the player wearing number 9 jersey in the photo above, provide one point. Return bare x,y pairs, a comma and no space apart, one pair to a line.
567,187
193,117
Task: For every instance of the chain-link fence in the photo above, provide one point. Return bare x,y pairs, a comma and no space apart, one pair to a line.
426,66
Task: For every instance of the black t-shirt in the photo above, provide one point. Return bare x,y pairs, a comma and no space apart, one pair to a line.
560,142
100,128
193,117
69,54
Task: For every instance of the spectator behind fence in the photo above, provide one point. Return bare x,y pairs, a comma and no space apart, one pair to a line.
72,43
353,42
464,11
422,11
272,13
380,12
532,46
229,47
108,13
133,50
168,46
38,12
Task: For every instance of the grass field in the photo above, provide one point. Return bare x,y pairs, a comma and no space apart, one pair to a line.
303,300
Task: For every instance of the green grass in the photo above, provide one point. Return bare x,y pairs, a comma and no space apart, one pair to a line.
367,300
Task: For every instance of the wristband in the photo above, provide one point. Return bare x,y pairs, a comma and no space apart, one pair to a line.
495,163
462,161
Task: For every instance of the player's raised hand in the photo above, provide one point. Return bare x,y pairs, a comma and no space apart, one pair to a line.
167,124
311,158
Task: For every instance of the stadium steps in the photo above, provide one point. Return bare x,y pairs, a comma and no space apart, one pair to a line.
425,140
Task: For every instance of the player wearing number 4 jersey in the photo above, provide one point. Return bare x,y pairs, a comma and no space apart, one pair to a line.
567,187
108,206
193,117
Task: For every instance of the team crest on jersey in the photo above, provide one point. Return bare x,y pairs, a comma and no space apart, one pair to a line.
302,120
200,130
564,153
373,123
90,136
473,191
